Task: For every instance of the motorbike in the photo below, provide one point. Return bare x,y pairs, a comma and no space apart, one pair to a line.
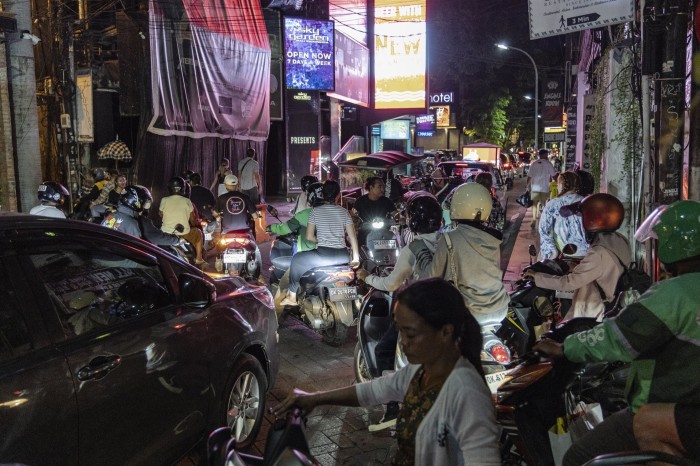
238,254
326,296
533,395
538,308
286,444
374,320
382,244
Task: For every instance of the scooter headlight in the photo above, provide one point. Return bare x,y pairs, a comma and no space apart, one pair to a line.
377,223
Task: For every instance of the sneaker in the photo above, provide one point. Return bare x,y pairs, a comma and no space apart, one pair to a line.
389,419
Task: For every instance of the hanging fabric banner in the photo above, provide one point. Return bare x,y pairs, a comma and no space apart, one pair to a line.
210,69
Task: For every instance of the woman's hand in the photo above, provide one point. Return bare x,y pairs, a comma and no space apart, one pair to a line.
305,401
361,274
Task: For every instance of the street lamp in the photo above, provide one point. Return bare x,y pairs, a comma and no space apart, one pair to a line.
537,86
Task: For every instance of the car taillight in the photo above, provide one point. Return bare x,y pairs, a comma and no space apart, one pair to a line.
226,240
507,165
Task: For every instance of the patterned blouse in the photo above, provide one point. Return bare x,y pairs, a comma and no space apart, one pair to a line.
557,231
415,406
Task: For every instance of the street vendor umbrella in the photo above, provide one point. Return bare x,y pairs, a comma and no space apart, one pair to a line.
115,150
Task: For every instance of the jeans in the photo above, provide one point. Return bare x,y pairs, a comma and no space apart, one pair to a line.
307,260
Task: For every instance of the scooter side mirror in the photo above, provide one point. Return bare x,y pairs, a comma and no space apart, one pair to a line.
543,306
532,250
272,211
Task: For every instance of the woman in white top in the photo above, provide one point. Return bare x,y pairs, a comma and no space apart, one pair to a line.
327,226
447,416
556,231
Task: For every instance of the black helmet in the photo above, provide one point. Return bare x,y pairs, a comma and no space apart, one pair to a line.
52,191
306,180
424,214
98,174
176,185
331,189
136,197
315,194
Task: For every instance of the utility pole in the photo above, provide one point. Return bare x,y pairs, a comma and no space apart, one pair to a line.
22,85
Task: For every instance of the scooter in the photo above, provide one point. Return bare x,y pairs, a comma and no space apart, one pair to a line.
326,296
238,254
533,395
374,320
286,444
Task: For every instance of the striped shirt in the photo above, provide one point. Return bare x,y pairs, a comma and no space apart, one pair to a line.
330,221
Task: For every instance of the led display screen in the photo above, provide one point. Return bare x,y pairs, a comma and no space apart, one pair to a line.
308,51
442,115
351,71
425,122
399,53
350,17
395,129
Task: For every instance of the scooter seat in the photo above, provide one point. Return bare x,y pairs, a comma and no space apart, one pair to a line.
282,262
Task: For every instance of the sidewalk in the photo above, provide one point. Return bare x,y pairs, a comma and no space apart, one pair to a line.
520,258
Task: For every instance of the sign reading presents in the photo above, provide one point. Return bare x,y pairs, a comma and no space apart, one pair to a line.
303,135
554,17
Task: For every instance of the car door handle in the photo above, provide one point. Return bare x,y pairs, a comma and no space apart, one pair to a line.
99,367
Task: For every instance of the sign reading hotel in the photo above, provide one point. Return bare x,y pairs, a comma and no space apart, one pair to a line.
399,53
308,52
554,17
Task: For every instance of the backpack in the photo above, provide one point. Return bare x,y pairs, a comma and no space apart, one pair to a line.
630,286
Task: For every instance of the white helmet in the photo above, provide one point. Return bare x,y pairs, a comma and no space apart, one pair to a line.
471,201
231,180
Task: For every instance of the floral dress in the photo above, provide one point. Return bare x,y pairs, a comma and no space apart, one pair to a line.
557,231
415,406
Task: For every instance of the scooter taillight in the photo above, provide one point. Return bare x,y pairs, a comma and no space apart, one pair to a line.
226,240
500,353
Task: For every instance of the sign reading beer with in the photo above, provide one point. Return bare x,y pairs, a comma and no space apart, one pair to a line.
399,53
309,57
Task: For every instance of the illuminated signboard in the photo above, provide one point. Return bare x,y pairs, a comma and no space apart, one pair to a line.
350,17
442,115
399,53
308,51
395,129
425,122
351,71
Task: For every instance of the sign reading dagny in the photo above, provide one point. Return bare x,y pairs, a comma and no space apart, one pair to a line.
554,17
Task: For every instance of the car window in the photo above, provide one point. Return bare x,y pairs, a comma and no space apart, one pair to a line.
96,285
14,333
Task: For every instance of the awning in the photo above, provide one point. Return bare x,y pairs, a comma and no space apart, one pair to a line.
385,160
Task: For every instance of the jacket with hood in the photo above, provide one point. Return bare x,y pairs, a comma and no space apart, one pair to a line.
600,265
477,258
413,263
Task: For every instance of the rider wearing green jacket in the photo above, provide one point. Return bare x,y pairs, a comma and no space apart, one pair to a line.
659,334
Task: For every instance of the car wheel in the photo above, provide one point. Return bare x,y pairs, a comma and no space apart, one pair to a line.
360,365
243,405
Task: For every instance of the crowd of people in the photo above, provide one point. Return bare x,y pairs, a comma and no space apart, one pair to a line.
448,287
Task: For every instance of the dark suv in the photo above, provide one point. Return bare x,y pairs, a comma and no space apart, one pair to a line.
113,351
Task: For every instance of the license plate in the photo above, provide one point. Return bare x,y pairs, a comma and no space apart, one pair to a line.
384,244
564,294
235,257
344,293
207,236
495,379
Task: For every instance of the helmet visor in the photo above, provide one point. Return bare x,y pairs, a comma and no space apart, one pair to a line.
646,229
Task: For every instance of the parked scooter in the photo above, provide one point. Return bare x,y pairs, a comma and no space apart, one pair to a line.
238,254
326,295
533,396
286,445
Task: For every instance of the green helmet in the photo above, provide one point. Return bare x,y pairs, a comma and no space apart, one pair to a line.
677,229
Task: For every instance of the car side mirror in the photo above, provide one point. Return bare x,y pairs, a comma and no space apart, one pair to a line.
195,291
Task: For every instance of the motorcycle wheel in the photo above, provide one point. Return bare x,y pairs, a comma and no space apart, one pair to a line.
360,366
243,404
336,334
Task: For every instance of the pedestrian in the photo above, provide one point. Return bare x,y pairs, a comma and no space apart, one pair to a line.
657,335
447,416
556,231
249,176
221,172
538,177
608,252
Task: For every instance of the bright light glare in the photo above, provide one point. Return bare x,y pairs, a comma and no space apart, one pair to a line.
527,97
501,46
